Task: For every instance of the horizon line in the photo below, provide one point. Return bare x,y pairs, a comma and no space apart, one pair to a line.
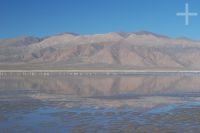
85,34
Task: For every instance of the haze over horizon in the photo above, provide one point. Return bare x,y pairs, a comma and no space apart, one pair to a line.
45,18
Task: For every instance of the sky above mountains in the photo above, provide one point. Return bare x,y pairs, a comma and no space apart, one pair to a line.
48,17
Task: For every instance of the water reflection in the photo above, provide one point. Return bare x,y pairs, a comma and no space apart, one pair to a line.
100,104
99,91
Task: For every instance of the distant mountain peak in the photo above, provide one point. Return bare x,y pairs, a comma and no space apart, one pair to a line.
127,34
69,33
124,34
150,33
20,41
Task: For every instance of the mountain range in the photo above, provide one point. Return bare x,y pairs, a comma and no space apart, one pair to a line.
117,50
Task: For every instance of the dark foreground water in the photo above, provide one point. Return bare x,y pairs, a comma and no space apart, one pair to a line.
130,104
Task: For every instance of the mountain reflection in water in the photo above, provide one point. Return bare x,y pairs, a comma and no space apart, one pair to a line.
81,99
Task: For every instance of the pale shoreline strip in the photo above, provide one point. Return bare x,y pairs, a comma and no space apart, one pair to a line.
101,71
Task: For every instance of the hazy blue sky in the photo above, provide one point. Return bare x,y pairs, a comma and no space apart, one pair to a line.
48,17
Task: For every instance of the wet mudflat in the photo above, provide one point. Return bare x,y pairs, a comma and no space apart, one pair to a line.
135,104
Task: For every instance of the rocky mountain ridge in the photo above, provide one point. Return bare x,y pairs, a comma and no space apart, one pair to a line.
134,50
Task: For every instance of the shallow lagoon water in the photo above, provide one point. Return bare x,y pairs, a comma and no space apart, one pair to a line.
82,104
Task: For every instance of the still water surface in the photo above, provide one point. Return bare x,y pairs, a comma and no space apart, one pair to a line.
140,103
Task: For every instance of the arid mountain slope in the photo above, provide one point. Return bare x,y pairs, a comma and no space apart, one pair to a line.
139,50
